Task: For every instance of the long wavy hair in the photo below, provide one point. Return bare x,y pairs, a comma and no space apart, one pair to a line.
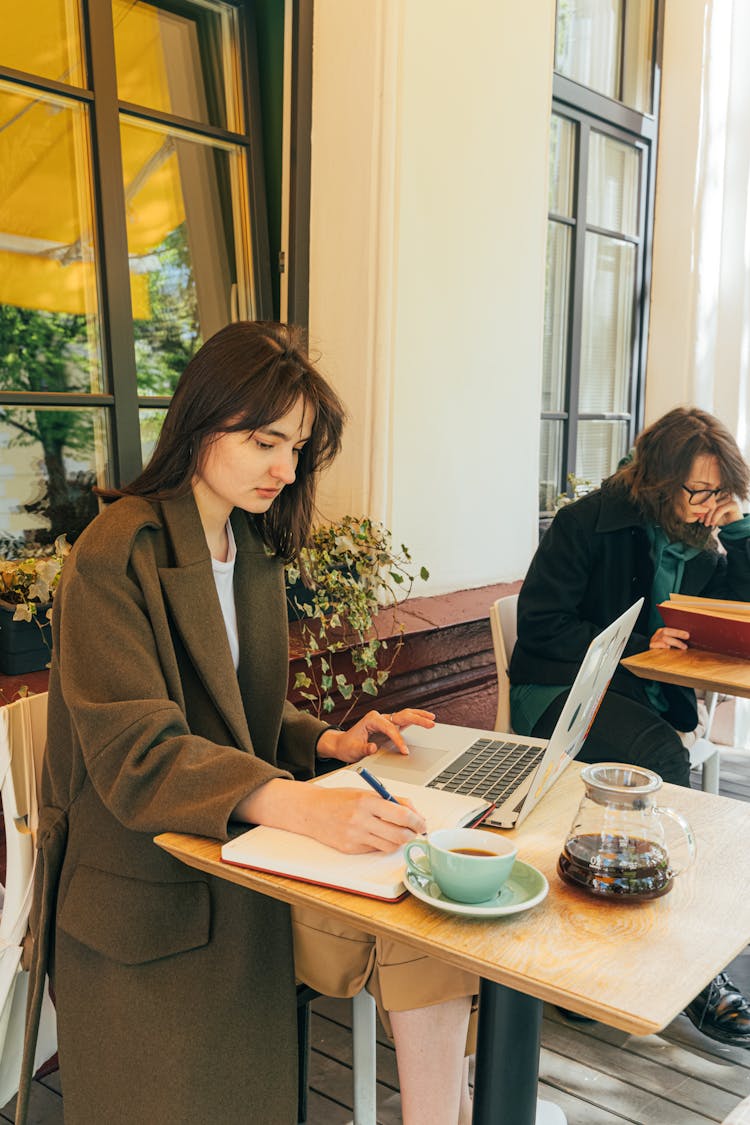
662,462
248,375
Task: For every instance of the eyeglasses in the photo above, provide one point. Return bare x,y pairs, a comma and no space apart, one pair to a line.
701,495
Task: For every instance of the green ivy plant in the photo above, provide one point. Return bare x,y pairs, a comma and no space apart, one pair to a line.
30,582
577,487
350,571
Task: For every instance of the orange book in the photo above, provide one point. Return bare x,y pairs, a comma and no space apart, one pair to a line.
713,624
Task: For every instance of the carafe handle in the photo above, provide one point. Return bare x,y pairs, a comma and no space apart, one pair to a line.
687,832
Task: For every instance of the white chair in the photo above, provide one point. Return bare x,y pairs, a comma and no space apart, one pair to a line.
740,1115
503,624
364,1044
23,731
364,1069
703,752
503,613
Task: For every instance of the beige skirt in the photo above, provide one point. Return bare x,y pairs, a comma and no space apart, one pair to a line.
336,960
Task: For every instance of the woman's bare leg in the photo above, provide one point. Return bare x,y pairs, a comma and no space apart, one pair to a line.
430,1046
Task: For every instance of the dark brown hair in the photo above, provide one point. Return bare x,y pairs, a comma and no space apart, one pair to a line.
248,375
663,459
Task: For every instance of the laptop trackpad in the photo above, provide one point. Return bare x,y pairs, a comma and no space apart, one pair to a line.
417,768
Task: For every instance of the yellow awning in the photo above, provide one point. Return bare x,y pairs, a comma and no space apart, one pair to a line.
47,246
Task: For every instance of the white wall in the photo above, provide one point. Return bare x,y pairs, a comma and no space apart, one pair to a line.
674,276
430,125
428,223
699,346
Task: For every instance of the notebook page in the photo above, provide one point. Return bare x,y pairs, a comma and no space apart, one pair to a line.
374,873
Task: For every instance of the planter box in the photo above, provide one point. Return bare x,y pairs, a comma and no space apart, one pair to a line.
22,643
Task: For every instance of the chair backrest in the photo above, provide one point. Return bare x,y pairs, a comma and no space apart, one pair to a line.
503,623
23,734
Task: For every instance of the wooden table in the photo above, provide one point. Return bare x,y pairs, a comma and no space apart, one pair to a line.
692,667
633,966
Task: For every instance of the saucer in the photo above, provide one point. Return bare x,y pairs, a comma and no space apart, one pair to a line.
524,888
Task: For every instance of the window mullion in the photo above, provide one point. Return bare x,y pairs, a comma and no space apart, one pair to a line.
643,281
576,304
118,346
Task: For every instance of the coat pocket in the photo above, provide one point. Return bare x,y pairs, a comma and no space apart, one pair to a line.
132,921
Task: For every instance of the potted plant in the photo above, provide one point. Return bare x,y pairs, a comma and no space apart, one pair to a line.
27,585
348,573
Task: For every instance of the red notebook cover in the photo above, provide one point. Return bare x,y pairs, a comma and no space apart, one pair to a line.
707,631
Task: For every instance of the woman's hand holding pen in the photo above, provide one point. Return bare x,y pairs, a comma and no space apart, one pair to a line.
363,822
350,820
353,744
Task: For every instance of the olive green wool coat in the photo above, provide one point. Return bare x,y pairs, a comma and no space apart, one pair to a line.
175,991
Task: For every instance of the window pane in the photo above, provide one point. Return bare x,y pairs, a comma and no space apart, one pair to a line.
49,317
550,464
44,39
179,64
50,458
185,226
600,447
556,316
613,183
607,325
639,55
562,141
151,423
588,43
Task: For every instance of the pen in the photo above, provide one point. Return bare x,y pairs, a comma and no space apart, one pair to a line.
376,785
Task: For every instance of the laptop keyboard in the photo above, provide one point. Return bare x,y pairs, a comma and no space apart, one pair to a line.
491,768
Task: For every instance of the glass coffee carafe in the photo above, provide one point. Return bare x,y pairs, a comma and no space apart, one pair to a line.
616,847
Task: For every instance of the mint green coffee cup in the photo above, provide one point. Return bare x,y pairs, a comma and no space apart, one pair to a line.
467,864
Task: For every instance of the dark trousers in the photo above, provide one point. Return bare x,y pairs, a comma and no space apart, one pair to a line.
627,731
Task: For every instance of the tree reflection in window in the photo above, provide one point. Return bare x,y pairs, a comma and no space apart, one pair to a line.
46,352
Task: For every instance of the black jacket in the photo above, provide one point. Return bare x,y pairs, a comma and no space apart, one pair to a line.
590,566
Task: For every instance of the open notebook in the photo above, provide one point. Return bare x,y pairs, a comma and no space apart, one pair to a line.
375,874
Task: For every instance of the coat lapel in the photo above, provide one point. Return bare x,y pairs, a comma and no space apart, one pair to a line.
263,634
190,592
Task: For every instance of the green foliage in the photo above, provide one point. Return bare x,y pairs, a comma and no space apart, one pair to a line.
351,571
170,337
30,582
46,352
577,487
52,352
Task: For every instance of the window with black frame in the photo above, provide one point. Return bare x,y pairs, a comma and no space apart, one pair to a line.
129,160
601,174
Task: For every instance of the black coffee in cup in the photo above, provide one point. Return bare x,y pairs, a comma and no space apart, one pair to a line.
470,851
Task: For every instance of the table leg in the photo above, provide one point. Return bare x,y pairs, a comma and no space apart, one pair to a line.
507,1072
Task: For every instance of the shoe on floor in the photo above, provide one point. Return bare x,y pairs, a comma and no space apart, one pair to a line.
721,1012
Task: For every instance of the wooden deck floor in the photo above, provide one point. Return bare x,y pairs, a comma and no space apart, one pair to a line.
597,1075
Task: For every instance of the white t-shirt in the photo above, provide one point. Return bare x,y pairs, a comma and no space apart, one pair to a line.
224,579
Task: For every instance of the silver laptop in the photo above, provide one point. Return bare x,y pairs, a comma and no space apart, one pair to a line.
509,770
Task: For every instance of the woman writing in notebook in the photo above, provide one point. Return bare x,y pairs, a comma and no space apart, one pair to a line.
176,991
668,521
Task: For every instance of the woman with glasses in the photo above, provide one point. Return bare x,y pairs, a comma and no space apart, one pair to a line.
668,521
